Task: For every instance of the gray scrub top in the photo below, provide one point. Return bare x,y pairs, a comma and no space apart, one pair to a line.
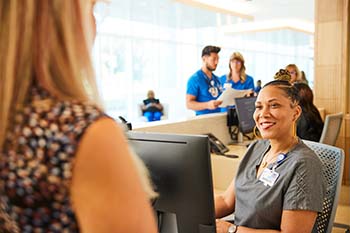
299,186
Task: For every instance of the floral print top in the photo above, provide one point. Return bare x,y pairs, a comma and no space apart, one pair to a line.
36,164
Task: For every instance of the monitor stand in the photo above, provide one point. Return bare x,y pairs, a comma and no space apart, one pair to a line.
240,141
167,222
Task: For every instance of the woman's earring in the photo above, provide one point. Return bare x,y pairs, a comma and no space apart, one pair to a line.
294,129
257,135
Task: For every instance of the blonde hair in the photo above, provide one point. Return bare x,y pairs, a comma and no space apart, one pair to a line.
150,93
242,75
43,41
144,176
46,41
293,66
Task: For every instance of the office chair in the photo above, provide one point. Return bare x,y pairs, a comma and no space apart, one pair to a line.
329,136
332,159
331,128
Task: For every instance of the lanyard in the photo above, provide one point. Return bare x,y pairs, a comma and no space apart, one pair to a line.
212,81
214,90
280,158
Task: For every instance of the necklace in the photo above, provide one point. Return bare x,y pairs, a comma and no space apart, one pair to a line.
266,161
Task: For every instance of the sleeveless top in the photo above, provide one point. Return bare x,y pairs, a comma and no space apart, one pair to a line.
37,161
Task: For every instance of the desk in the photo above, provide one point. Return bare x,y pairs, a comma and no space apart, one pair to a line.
224,169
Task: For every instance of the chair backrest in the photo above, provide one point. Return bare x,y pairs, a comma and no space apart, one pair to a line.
331,128
332,159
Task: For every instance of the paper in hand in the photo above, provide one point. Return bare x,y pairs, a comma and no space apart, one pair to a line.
229,95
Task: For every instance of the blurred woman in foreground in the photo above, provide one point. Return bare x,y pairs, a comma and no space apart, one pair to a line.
64,165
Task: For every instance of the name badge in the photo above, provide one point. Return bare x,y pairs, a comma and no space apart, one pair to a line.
227,85
269,177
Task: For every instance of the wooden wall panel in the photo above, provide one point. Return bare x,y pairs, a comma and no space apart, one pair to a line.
330,10
323,90
329,37
332,80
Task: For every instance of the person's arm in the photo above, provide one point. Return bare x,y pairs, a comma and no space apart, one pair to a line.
159,105
251,83
250,86
106,189
193,104
225,202
300,221
144,106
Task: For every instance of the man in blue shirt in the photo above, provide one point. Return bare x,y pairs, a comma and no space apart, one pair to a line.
204,87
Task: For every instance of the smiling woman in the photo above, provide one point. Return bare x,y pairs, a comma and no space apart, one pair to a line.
278,182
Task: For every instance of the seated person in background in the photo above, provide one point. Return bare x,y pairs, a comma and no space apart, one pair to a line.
204,87
258,87
310,124
269,194
294,73
152,108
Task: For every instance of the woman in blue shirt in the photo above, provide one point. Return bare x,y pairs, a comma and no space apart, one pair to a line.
237,77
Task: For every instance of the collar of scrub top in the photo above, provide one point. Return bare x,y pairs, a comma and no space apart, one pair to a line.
281,157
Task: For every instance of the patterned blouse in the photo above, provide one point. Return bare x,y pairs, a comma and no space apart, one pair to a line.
36,164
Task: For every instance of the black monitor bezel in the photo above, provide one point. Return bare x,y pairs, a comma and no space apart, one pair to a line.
240,115
194,165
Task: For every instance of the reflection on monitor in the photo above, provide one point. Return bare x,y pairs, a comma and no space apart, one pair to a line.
245,108
180,169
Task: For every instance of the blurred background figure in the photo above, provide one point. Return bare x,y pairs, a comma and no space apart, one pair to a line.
303,78
152,108
257,87
237,77
65,166
310,123
204,87
294,73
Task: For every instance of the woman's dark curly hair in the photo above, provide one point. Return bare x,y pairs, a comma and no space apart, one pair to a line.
290,91
307,101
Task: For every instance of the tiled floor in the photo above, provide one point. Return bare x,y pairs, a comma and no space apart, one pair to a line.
343,210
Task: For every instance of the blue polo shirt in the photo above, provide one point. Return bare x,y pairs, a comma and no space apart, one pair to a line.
198,85
248,84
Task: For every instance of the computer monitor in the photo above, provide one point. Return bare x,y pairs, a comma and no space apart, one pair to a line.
180,169
245,108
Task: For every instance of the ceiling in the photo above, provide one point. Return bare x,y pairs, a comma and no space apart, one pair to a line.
282,9
245,15
261,9
263,15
